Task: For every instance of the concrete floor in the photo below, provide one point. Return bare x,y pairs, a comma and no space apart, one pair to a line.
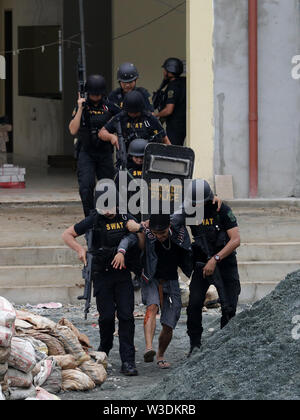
43,184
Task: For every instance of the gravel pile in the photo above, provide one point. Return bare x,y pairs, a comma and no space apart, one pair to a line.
257,356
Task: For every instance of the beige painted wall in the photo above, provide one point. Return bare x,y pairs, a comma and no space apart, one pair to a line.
43,137
200,86
148,47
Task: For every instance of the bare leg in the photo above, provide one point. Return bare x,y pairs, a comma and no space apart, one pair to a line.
165,339
150,326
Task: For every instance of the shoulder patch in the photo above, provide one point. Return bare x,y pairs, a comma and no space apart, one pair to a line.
231,216
171,94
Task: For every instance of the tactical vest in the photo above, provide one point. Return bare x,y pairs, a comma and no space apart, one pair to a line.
137,129
107,233
94,119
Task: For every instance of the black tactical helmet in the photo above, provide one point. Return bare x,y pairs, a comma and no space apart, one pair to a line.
134,102
95,85
199,192
174,65
159,222
127,73
137,148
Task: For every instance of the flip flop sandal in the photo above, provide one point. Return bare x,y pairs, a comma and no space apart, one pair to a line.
149,356
160,364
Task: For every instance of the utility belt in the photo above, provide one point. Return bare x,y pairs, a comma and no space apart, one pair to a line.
103,257
89,141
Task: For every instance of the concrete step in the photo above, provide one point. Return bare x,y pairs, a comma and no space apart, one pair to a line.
39,284
252,292
266,271
45,276
261,228
280,251
43,255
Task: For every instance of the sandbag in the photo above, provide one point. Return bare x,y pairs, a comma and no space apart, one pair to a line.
22,325
95,371
36,370
100,358
38,322
7,314
2,398
22,394
3,371
43,395
49,376
22,355
41,350
19,379
55,348
4,353
212,298
76,380
71,343
66,362
6,335
83,339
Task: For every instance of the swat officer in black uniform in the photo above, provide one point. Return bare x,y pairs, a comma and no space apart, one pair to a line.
136,152
112,245
216,239
136,123
95,157
173,107
127,78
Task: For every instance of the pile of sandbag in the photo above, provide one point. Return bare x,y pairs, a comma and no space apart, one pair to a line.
7,329
40,358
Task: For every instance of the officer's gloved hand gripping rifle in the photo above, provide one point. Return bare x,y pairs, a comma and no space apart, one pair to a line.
81,90
87,276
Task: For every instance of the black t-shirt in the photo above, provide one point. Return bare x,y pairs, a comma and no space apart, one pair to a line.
144,127
117,96
167,264
94,117
176,95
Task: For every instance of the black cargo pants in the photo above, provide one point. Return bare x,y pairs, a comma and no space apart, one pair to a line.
229,289
89,167
114,293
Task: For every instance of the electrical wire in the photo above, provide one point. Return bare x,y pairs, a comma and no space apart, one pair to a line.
149,23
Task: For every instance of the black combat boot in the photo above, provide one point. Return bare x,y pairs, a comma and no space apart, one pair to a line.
129,369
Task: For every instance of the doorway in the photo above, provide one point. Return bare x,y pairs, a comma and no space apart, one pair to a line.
8,36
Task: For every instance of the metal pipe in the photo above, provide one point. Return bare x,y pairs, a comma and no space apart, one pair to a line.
253,100
82,32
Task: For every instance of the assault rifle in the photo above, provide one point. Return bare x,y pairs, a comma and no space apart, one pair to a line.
159,97
122,152
87,276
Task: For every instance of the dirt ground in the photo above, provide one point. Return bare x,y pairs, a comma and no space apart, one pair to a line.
117,386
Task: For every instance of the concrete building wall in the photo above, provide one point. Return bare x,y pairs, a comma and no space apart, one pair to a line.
41,137
200,86
279,96
150,46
